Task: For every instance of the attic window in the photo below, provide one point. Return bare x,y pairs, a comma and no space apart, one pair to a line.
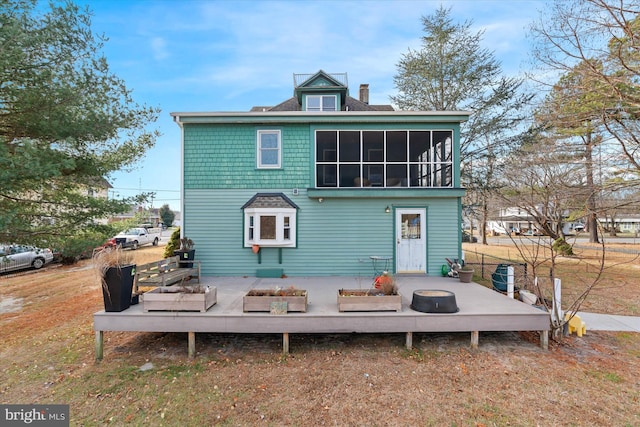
321,102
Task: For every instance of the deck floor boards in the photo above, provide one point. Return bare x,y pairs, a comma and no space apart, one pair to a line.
480,309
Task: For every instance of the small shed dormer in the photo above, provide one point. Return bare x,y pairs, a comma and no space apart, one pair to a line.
320,91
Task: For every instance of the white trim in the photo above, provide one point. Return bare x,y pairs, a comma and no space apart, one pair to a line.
321,98
260,149
280,214
214,114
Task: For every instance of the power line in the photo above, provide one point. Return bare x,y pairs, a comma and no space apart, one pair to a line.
144,189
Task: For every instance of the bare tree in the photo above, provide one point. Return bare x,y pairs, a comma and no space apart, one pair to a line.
544,183
547,185
604,37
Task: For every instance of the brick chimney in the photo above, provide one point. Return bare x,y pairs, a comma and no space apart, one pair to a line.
364,93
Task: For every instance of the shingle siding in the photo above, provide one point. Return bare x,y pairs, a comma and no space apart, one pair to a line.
225,157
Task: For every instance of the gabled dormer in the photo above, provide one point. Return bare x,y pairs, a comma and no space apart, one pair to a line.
323,92
320,91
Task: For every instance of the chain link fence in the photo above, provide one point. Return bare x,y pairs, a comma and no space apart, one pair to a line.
494,270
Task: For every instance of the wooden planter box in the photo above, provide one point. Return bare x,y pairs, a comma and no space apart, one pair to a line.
358,300
156,300
252,302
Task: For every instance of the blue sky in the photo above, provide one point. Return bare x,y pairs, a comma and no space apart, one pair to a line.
206,55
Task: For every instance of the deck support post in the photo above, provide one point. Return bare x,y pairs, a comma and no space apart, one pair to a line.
285,343
475,337
99,345
191,344
544,340
408,343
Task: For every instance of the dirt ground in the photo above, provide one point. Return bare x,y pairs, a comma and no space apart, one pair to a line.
47,356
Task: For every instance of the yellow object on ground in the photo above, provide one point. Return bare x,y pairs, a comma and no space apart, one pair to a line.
576,325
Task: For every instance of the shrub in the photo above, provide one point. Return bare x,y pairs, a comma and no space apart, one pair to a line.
80,246
173,244
562,247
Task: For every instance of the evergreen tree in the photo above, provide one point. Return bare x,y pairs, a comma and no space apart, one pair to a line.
66,123
167,215
452,71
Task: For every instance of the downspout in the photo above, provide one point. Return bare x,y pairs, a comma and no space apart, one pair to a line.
176,119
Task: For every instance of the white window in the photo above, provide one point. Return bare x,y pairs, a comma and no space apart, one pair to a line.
268,149
321,103
274,227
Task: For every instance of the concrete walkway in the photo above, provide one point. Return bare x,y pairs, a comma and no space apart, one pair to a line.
610,322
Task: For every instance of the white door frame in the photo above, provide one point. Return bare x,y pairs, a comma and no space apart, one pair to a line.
411,240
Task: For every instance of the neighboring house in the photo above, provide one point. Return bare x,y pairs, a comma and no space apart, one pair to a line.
99,190
510,220
518,220
148,216
319,183
626,223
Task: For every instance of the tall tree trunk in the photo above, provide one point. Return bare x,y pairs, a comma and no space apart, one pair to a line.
485,218
592,217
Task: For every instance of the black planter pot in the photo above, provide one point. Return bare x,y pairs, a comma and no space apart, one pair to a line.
118,288
189,255
434,301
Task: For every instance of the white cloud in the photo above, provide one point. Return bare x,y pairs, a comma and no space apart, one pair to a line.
159,48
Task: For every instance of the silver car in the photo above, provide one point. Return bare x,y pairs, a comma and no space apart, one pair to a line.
17,257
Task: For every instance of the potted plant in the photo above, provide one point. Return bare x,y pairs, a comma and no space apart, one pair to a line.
186,252
382,296
116,270
465,274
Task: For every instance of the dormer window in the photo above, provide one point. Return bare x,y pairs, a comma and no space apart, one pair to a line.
321,103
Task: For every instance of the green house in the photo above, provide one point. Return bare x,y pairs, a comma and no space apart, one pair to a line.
322,184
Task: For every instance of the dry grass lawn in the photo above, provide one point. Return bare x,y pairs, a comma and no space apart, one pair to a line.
47,356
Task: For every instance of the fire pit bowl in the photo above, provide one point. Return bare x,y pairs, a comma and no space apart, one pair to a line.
434,301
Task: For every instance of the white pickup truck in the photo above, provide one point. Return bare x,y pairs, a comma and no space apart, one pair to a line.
138,236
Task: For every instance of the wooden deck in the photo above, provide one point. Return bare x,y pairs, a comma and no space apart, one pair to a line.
481,309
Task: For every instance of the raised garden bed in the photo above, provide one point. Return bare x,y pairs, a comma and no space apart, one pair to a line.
180,298
368,300
272,300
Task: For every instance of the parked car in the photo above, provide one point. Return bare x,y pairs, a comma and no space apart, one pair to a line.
533,232
17,257
466,237
138,236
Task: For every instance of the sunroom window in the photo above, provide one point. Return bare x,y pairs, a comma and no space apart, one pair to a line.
321,103
384,158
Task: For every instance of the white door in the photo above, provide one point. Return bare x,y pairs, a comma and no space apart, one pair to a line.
411,247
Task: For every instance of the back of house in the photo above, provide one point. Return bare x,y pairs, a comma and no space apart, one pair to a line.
322,184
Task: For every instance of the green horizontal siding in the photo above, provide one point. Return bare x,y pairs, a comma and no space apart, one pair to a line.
335,237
